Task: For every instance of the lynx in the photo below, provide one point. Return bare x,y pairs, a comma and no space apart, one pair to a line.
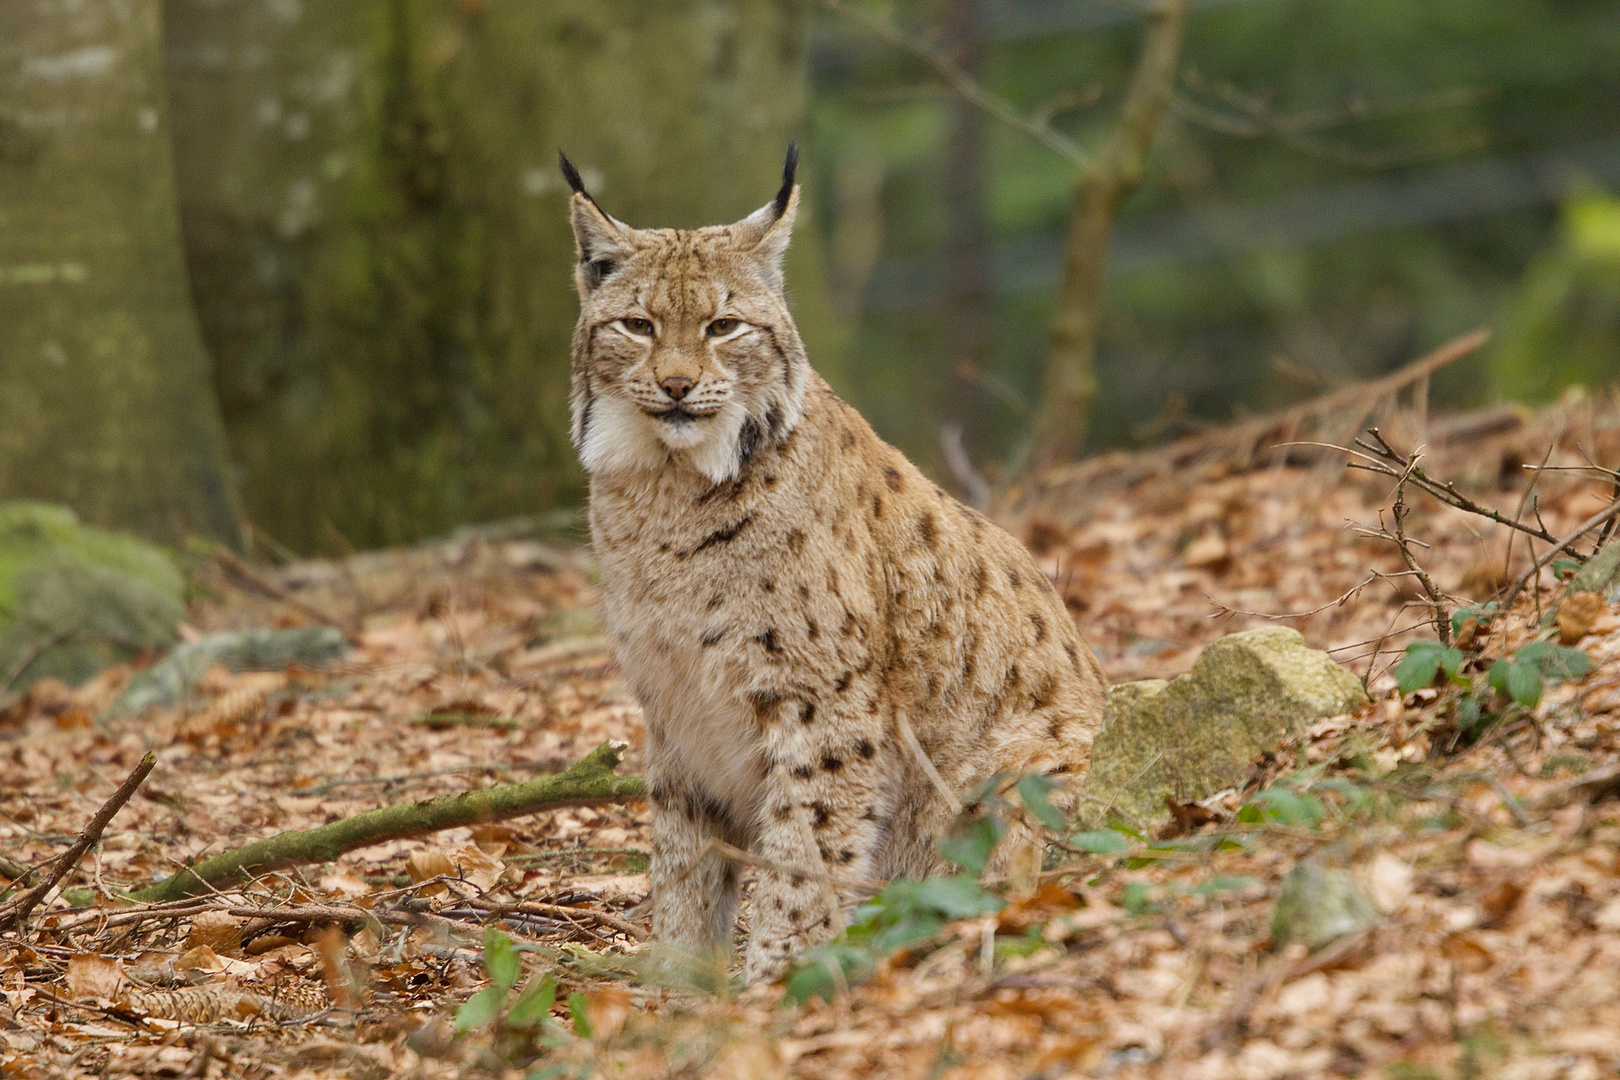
827,647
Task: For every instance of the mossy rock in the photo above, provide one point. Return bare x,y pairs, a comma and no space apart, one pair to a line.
1198,733
76,599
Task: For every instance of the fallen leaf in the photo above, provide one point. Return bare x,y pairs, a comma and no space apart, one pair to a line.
90,975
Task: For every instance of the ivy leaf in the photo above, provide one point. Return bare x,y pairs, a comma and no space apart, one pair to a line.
480,1009
1033,791
501,960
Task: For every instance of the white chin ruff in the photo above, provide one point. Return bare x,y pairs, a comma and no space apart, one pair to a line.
621,438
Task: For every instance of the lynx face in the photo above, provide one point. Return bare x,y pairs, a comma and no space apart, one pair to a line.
684,350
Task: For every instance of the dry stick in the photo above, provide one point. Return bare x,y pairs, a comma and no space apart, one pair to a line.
588,782
1383,454
1442,618
253,581
559,911
15,914
1221,609
1601,517
909,737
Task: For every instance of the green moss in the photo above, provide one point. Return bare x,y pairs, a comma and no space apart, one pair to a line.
75,599
1195,735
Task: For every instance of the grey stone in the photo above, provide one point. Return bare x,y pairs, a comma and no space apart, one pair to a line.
76,599
173,678
1318,904
1198,733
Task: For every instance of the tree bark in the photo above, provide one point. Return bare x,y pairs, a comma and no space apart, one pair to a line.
588,782
380,241
1070,383
105,401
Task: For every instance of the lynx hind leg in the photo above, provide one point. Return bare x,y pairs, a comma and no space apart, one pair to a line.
694,889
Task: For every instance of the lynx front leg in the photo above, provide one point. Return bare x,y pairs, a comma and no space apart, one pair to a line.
820,827
694,889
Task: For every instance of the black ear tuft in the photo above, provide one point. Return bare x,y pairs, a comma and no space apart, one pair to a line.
571,174
789,167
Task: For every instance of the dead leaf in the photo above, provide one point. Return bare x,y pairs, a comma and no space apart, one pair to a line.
1500,901
1577,614
218,930
1388,882
90,975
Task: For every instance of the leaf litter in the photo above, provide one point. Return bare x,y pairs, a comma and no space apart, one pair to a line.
1485,846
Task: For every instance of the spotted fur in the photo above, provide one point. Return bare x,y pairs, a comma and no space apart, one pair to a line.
783,587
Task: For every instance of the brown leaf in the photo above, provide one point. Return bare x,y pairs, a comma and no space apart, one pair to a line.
1577,614
1499,902
90,975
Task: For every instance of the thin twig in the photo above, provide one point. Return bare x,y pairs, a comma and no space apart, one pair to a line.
559,911
1599,518
1222,609
15,914
965,85
1442,617
909,737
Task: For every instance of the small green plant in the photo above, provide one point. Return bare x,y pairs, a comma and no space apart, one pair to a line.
905,915
528,1014
1524,677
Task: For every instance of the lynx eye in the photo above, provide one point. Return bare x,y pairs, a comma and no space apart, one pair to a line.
721,327
638,326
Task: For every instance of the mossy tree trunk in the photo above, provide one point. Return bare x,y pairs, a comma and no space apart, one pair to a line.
379,237
105,402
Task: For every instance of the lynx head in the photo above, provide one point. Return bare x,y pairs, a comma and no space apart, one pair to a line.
684,354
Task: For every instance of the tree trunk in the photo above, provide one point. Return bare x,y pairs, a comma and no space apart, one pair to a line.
105,402
1070,385
379,235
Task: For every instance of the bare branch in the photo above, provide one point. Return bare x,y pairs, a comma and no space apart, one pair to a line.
1036,127
15,914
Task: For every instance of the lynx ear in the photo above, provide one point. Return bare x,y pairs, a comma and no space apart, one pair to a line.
769,228
602,242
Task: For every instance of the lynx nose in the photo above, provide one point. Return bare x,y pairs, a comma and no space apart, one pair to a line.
677,387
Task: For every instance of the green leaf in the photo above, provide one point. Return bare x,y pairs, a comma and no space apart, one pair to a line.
970,845
580,1010
1468,712
1033,791
1288,807
1136,897
1226,883
533,1005
813,972
501,959
1562,567
1419,667
959,897
1451,663
480,1009
1524,683
1100,842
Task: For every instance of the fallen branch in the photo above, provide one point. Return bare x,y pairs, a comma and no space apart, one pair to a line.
588,782
558,911
15,914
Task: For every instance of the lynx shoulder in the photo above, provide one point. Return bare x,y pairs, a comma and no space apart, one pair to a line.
792,601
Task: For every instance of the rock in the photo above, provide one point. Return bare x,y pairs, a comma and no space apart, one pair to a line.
76,599
1318,904
172,679
1197,734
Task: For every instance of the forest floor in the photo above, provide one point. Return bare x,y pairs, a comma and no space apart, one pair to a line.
1488,844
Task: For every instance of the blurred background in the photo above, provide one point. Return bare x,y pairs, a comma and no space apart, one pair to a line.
295,275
